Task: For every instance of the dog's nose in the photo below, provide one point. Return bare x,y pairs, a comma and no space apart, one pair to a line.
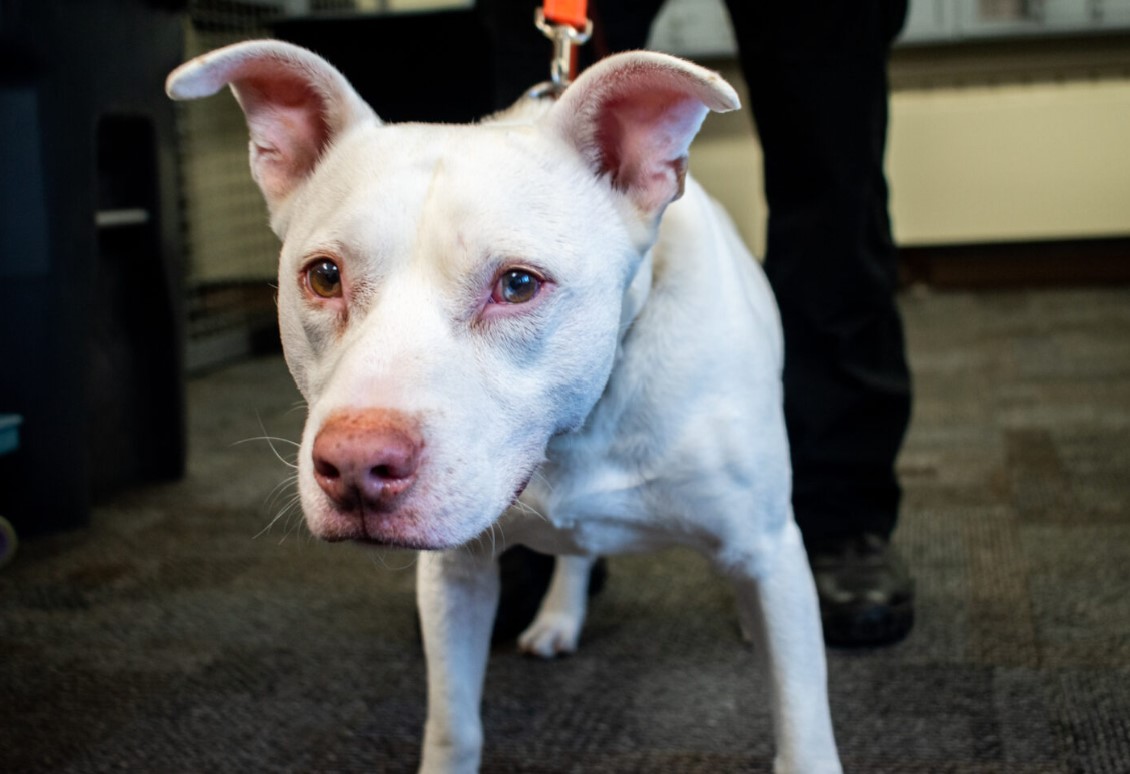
367,458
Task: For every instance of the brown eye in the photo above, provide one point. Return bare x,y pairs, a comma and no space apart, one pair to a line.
323,277
516,286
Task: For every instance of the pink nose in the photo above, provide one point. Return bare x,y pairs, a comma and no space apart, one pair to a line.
366,458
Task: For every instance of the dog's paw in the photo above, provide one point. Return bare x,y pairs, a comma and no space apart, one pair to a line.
551,635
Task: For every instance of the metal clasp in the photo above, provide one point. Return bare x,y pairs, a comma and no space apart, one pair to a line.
565,37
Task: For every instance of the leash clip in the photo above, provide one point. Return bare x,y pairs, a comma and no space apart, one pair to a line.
565,38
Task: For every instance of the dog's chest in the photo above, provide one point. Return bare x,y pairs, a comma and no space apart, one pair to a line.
595,496
598,523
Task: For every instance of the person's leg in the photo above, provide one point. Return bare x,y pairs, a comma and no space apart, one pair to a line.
519,52
818,91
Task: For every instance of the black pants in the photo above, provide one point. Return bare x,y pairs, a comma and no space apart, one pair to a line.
817,76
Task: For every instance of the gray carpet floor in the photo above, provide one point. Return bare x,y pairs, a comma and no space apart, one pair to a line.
190,630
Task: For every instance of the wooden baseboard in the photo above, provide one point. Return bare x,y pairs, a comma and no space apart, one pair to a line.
1032,264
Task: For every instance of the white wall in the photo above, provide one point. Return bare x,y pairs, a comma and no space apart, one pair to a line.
1010,163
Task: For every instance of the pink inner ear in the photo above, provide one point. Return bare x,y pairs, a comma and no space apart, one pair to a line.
643,138
287,120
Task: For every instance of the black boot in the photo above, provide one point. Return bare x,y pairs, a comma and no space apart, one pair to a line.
866,592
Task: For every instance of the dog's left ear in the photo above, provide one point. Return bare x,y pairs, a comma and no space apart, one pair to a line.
632,117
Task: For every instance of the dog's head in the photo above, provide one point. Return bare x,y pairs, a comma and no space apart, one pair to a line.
450,297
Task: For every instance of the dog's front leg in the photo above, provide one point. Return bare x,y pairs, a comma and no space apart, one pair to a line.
779,609
457,594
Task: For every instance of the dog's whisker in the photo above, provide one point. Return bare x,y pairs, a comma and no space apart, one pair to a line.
380,556
529,510
280,489
291,505
270,524
537,474
288,509
271,440
502,536
493,542
282,500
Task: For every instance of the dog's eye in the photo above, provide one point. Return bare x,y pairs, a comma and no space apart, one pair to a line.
323,277
516,286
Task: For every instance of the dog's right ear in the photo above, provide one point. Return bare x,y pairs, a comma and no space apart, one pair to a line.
295,102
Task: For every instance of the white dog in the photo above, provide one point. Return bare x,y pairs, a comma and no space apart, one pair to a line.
479,312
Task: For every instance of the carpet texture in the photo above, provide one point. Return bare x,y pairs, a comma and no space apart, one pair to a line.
190,630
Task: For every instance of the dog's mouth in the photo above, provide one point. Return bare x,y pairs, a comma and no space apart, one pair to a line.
405,526
378,528
383,543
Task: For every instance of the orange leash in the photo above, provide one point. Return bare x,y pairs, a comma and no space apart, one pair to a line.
571,12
